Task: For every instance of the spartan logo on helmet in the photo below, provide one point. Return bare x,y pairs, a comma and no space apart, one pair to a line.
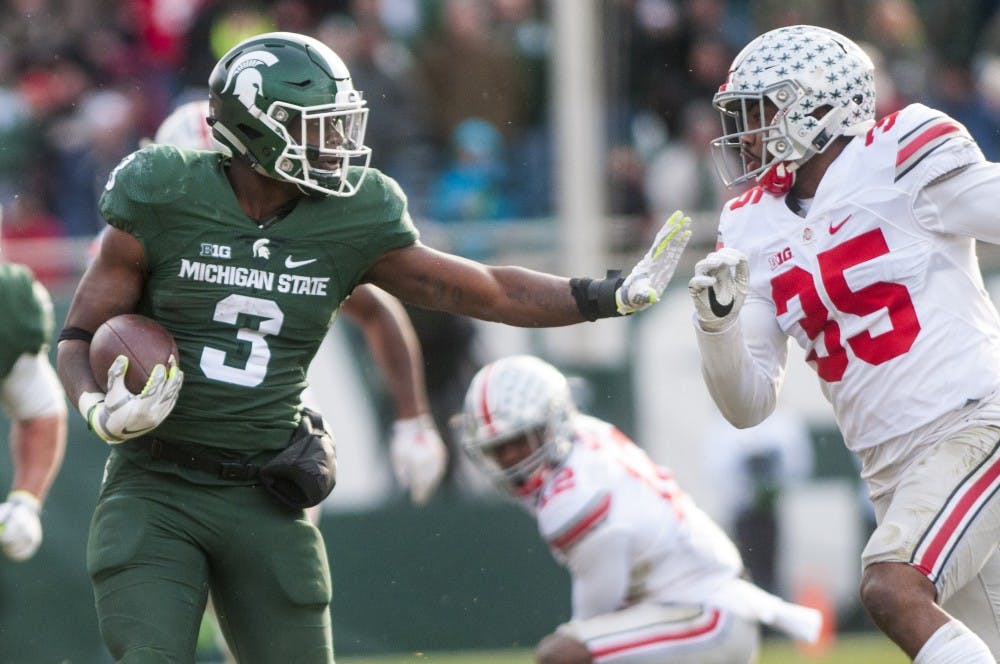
286,103
245,79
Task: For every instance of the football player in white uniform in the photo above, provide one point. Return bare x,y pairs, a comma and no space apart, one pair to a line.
858,242
654,580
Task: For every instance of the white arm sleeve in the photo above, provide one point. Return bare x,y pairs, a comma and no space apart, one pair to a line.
744,364
599,567
963,204
32,389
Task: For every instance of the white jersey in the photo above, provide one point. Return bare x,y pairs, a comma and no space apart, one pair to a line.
888,305
675,553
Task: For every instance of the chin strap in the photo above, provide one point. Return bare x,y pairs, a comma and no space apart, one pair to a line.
778,179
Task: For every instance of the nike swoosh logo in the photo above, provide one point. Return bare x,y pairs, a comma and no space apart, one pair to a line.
719,309
292,264
836,227
132,432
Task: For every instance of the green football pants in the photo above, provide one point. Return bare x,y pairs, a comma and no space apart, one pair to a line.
158,544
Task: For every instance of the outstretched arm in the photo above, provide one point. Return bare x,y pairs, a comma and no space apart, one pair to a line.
443,282
526,298
393,343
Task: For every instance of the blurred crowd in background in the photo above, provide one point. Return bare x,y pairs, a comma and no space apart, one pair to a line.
458,89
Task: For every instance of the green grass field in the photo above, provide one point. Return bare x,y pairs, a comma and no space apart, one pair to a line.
848,649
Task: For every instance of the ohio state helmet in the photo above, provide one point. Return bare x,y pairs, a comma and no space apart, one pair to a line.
822,84
187,127
513,397
286,102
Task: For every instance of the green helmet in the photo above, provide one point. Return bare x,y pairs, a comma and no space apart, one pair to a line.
286,102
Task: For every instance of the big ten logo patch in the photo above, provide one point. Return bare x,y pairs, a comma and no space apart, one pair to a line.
216,250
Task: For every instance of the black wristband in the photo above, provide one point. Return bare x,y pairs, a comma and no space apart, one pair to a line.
75,333
595,298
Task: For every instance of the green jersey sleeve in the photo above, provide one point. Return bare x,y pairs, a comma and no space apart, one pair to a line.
28,324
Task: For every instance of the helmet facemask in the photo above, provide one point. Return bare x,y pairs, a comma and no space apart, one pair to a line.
517,400
548,447
334,140
797,88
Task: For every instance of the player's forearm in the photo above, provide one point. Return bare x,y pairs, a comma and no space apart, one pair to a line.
37,447
73,368
397,353
744,393
526,298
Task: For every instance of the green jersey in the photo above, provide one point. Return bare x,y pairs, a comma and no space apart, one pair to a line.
27,324
248,305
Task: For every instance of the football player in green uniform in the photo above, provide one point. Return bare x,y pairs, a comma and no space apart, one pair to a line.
33,400
418,455
245,260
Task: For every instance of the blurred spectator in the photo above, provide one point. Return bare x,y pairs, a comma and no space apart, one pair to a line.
384,70
88,145
473,186
27,228
895,27
524,28
954,92
682,174
470,74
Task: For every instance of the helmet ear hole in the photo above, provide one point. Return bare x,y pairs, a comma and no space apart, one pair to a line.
250,131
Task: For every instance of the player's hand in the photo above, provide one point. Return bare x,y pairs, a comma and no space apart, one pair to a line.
418,455
719,287
649,278
20,527
119,414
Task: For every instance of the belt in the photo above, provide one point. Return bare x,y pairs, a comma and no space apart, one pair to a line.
159,449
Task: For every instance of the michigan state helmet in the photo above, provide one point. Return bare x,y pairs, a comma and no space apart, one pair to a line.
822,85
286,102
515,397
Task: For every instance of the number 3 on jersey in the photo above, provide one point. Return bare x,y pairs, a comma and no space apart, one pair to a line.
228,310
862,302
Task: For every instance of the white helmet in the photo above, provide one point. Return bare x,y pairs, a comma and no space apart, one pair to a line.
187,127
801,69
513,397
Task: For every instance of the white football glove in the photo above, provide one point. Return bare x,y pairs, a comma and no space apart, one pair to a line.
419,457
20,527
119,414
719,287
649,278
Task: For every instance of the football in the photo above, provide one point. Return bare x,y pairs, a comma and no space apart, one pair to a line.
144,341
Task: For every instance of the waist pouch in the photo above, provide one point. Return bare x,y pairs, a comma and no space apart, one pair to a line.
299,476
305,472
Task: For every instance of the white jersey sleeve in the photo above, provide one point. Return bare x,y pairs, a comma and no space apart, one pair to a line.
744,371
964,203
32,389
625,530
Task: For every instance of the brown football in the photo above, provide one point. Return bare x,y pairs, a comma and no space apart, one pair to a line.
144,341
